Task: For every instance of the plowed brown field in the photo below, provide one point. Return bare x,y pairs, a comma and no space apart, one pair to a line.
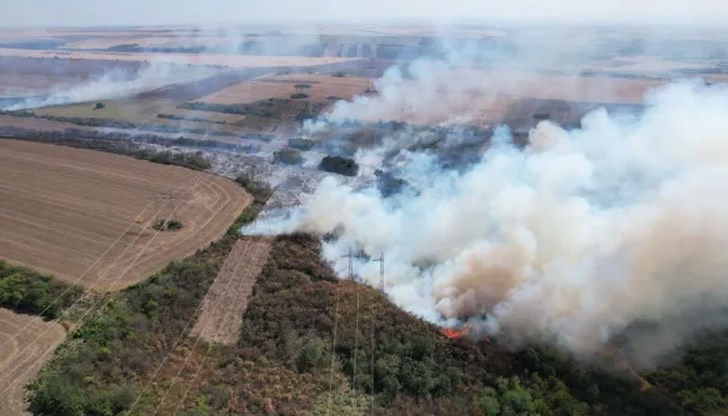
26,343
86,217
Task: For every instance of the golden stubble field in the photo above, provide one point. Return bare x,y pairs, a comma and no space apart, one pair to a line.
320,88
86,217
221,60
26,343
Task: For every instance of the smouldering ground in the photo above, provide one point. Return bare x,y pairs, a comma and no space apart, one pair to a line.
26,343
85,216
17,85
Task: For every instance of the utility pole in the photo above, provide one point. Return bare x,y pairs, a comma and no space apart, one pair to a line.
350,256
356,325
380,260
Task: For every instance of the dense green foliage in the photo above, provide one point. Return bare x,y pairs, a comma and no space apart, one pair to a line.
24,290
700,382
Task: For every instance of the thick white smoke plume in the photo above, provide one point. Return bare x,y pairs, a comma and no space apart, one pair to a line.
613,233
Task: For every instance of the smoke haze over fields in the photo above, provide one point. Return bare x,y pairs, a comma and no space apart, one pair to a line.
611,233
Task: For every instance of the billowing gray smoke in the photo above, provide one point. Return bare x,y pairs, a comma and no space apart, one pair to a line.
613,233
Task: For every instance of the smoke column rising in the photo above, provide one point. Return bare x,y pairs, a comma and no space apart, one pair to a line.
614,232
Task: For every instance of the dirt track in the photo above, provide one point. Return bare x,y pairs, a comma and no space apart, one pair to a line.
19,353
223,306
86,216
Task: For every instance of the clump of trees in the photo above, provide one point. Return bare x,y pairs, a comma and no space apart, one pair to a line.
340,165
287,157
167,225
24,290
195,160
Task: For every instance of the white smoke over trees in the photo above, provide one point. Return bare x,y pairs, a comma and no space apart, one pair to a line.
612,233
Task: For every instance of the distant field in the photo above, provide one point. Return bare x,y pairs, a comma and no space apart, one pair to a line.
81,214
489,97
282,86
16,85
231,61
135,110
22,353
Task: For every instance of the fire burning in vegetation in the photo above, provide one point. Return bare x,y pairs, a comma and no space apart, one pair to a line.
453,333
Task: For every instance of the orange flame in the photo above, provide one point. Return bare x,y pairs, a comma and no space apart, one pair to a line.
452,333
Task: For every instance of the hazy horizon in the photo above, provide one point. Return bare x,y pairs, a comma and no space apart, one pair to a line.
65,13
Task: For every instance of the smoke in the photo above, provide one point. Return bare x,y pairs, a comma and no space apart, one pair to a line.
115,83
614,232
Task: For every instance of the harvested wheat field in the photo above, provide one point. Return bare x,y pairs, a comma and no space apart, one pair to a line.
87,217
222,308
231,61
317,87
26,343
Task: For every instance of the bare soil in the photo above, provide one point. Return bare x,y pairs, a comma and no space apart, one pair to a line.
282,86
86,217
23,351
225,302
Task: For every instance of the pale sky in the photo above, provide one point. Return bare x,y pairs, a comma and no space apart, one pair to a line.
151,12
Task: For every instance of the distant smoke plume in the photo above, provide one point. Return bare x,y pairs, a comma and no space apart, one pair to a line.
613,233
115,83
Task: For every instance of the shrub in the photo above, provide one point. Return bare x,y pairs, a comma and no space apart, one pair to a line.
287,157
299,95
173,225
99,105
340,165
